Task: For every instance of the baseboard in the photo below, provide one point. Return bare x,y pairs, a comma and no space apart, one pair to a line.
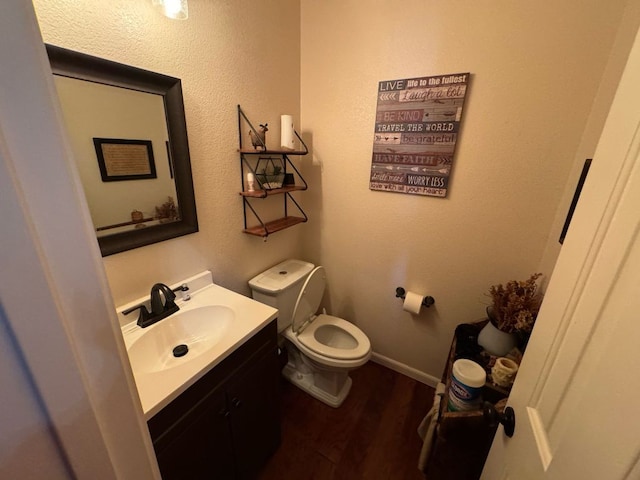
405,370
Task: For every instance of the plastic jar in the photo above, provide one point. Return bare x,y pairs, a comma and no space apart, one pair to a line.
467,380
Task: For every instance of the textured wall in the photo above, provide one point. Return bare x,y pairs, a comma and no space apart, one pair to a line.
535,71
228,52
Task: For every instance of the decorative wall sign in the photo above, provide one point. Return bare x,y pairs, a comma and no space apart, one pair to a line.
124,159
417,124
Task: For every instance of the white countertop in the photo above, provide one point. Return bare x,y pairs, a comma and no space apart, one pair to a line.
158,389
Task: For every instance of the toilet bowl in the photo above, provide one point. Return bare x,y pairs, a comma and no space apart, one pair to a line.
322,349
332,342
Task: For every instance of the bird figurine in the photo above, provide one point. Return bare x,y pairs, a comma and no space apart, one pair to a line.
258,139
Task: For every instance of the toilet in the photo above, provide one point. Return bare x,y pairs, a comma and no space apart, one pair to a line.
322,349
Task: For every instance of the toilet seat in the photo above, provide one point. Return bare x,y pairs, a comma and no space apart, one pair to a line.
322,361
311,337
314,334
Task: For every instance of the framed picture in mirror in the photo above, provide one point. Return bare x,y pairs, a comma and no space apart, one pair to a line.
121,159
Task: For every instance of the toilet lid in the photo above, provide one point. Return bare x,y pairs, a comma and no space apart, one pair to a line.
309,299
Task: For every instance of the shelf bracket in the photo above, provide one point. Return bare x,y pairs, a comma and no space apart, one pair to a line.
255,132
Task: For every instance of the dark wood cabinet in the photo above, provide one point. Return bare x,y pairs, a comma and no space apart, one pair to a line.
193,449
227,424
254,417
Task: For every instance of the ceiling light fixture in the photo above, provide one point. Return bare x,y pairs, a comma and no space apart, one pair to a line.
175,9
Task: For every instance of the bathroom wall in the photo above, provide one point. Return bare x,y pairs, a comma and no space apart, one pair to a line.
228,52
536,70
627,32
542,79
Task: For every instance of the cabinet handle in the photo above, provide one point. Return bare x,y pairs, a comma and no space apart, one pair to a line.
224,413
236,402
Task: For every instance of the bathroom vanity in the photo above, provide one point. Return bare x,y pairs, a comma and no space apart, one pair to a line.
214,411
227,424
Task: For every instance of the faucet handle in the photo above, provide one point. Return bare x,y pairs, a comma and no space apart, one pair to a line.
144,314
184,289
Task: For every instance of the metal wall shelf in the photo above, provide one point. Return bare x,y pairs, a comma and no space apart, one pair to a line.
248,163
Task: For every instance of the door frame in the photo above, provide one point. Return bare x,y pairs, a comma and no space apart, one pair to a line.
53,288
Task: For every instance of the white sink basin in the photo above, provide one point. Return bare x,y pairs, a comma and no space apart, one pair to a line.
212,324
200,329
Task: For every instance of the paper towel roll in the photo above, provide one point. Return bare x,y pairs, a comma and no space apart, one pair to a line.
412,302
287,135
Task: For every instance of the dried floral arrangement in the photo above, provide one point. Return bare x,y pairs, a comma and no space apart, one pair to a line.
515,305
168,211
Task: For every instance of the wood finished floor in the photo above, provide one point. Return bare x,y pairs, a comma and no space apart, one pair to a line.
371,436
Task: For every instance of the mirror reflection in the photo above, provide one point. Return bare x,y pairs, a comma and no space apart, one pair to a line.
128,133
120,202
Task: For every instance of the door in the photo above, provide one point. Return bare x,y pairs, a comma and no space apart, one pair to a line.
576,395
197,446
254,403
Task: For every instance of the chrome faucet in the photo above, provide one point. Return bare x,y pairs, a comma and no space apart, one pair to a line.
159,308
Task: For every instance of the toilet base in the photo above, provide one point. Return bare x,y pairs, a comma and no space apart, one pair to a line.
305,382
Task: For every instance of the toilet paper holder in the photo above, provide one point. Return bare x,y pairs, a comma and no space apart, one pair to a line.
426,301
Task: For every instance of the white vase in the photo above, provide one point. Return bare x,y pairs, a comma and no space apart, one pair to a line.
495,341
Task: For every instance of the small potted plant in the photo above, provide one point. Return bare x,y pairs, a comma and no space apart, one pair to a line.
271,177
512,314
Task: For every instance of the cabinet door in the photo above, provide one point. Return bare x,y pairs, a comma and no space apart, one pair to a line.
255,414
198,447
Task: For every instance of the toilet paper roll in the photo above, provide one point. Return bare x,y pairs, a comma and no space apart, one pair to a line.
287,135
412,302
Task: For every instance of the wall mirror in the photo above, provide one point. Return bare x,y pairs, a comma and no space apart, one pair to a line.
129,136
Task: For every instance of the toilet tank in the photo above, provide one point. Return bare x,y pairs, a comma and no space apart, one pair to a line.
280,286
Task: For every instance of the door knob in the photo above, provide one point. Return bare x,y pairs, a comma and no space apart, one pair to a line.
507,418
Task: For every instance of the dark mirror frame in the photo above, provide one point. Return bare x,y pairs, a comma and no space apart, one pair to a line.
81,66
